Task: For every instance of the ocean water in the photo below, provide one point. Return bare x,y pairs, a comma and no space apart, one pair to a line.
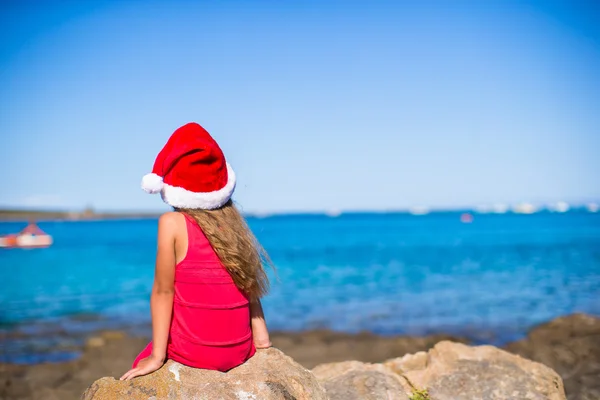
490,280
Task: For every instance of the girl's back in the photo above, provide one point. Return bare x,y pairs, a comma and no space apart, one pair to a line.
211,319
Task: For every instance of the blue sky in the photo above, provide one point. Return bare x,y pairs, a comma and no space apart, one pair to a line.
318,104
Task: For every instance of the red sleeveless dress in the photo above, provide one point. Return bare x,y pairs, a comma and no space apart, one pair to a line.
211,326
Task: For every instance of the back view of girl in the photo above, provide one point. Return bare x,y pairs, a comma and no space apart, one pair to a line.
209,277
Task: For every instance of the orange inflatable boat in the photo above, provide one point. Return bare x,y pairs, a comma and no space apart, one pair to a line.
30,237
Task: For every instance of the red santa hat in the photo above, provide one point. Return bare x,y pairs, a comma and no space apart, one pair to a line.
191,171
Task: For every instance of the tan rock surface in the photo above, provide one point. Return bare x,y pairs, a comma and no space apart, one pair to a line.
269,375
571,346
354,380
454,371
449,371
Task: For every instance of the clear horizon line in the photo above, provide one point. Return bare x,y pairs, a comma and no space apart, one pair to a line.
477,208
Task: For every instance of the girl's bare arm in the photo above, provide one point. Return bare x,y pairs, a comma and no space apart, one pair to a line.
260,334
161,301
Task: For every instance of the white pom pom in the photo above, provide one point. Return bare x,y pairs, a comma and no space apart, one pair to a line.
152,183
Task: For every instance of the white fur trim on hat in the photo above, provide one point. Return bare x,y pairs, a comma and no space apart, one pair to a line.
182,198
152,183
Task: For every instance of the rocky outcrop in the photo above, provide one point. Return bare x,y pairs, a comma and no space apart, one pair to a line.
269,375
571,346
449,371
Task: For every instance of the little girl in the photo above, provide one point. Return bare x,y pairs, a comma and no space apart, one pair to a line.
209,276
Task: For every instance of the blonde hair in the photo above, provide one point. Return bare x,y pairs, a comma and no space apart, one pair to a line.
236,246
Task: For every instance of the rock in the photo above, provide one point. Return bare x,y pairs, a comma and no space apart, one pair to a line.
269,375
95,341
453,371
113,335
571,346
354,380
449,371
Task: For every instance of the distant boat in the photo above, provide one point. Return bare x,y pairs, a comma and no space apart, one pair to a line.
592,207
333,213
484,209
524,208
499,208
560,207
420,210
466,218
30,237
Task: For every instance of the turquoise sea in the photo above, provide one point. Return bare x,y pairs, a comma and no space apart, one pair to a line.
490,280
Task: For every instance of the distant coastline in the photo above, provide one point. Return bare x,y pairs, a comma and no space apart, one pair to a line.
16,215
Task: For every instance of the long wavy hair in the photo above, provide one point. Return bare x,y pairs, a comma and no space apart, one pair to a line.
236,246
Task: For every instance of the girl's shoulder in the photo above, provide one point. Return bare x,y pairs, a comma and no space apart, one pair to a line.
171,217
172,222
